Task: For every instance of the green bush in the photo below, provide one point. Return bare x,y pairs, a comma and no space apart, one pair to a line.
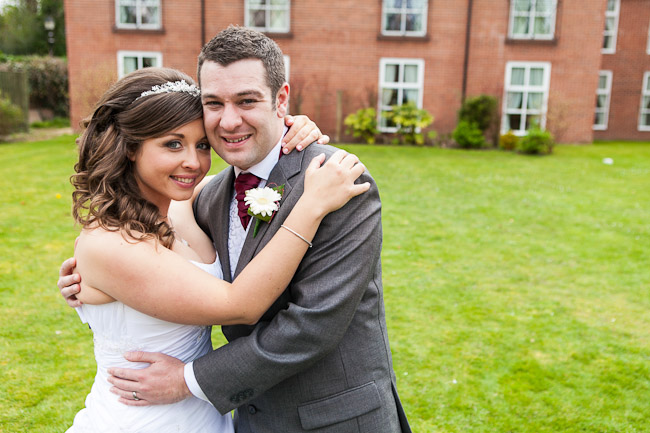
48,81
536,142
409,120
11,116
508,141
481,110
468,135
57,122
362,124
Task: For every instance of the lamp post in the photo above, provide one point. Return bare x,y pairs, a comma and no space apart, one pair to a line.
49,26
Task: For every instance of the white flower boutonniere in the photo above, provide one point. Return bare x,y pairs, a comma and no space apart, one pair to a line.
263,203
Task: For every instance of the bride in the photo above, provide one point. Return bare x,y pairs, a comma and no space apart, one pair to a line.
142,158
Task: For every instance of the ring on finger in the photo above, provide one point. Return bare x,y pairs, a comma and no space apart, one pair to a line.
135,396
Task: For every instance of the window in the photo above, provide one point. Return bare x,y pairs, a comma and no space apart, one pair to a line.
404,17
129,61
400,81
644,114
138,14
602,100
611,26
526,95
268,15
532,19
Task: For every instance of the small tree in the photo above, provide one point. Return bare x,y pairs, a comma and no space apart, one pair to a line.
468,135
11,116
409,120
362,124
482,111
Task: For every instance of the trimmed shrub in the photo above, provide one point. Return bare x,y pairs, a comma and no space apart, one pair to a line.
508,141
11,116
468,135
536,142
409,120
362,124
481,110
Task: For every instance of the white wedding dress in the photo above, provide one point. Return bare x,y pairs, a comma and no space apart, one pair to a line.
117,329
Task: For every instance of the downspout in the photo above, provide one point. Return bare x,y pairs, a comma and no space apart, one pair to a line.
202,23
467,41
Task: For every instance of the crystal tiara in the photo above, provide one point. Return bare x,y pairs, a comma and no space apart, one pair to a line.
169,87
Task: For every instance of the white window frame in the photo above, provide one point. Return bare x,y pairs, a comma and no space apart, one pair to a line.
607,91
400,86
138,25
525,89
140,55
645,93
268,8
403,11
614,32
532,14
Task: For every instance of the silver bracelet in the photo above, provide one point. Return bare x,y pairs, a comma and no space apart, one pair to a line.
297,234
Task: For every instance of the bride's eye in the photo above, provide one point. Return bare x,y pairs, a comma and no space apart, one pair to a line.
173,144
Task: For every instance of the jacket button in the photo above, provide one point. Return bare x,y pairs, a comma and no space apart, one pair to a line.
252,409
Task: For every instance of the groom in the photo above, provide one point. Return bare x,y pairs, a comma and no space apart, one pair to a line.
319,359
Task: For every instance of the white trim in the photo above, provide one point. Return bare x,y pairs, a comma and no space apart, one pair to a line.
607,91
614,32
531,15
400,86
645,93
525,89
268,8
404,11
140,55
138,14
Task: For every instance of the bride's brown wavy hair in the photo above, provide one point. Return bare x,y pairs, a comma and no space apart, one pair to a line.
106,192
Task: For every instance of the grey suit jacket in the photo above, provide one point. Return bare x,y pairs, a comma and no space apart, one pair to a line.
319,358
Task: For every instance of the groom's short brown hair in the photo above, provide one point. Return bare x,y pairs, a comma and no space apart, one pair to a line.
239,43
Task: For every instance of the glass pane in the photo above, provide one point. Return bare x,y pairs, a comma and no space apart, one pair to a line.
393,3
515,100
602,82
601,100
607,41
535,100
522,5
610,23
279,20
130,64
531,121
599,119
256,2
646,102
542,26
647,85
520,26
413,22
150,15
544,5
258,18
389,97
393,22
391,75
645,119
279,2
416,4
611,5
127,15
410,73
536,77
514,122
149,61
517,76
411,95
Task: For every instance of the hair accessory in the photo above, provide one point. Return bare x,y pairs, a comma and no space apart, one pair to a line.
169,87
296,233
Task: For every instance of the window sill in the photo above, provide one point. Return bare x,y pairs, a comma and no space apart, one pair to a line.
139,31
404,38
514,41
278,35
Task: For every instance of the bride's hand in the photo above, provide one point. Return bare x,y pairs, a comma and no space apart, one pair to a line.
331,185
302,133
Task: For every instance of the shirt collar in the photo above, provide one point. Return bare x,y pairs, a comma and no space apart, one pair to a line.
263,168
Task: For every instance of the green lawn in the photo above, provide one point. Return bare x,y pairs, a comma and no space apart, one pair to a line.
516,288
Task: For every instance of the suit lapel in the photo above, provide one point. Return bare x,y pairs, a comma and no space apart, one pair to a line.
287,167
221,214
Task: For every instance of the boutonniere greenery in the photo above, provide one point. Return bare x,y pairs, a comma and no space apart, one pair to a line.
263,203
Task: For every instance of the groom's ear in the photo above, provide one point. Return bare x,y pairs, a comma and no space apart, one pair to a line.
282,100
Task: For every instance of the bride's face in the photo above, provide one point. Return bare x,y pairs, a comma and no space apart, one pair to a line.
169,167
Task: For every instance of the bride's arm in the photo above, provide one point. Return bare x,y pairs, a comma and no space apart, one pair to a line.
160,283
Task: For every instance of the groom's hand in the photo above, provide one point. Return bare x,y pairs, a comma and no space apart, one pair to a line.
163,382
68,283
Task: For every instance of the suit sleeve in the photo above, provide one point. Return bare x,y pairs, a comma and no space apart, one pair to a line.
325,294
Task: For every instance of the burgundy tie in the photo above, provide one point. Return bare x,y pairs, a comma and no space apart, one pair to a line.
243,183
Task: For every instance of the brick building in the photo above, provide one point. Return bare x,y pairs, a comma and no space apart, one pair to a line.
581,68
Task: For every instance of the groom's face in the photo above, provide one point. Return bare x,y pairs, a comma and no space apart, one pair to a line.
243,122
